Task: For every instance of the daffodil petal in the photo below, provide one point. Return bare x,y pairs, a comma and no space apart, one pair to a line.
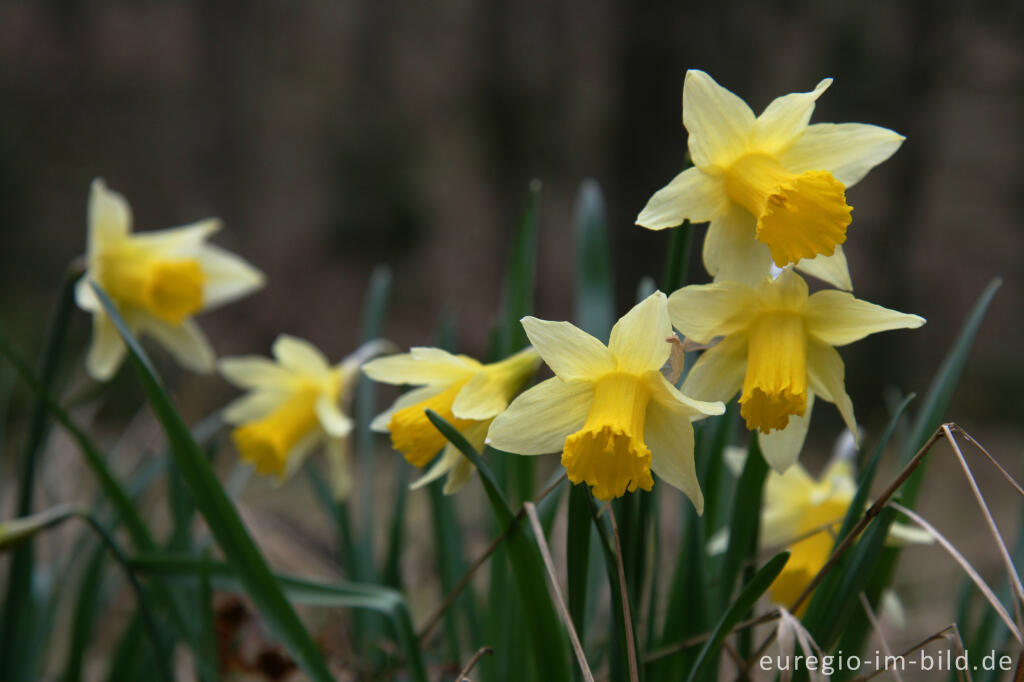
253,371
441,466
825,377
837,318
109,214
298,454
670,398
185,240
731,250
186,342
670,438
107,350
332,419
847,150
299,355
85,295
831,269
692,195
339,475
462,471
570,352
781,123
417,395
419,366
718,122
781,448
482,397
228,277
252,406
703,311
639,340
718,373
540,419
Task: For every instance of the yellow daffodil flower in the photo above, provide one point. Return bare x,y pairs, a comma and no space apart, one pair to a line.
293,406
158,281
778,347
464,392
610,410
772,186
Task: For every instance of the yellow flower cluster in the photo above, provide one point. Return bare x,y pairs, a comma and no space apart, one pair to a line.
773,188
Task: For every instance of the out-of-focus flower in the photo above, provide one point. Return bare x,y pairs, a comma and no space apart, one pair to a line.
158,280
465,392
778,346
293,406
608,409
772,186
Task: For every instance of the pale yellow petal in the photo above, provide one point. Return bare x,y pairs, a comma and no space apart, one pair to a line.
570,352
109,215
253,371
703,311
252,406
837,318
299,355
85,295
782,122
639,340
333,421
420,366
831,269
107,350
441,466
461,473
847,150
298,454
186,342
732,251
488,393
718,373
538,421
692,195
228,277
717,121
781,448
826,377
670,438
670,398
417,395
183,241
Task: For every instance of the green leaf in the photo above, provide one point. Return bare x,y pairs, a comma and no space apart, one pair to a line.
577,545
748,596
677,257
745,520
520,277
549,643
220,514
16,660
595,298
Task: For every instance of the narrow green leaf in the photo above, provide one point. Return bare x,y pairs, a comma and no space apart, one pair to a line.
677,258
549,643
748,596
595,298
17,623
745,520
577,546
220,514
84,616
520,276
392,573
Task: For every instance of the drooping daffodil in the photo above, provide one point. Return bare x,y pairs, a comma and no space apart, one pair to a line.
778,346
295,404
158,280
463,391
772,186
608,409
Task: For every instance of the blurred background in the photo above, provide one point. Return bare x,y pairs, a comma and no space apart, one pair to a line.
334,136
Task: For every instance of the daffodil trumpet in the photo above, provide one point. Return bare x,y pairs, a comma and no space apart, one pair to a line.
158,280
608,409
777,348
773,187
465,392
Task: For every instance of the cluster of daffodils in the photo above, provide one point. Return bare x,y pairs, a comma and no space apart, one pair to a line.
772,187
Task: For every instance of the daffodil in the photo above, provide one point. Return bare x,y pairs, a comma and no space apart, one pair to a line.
293,406
778,346
465,392
772,186
158,281
608,409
